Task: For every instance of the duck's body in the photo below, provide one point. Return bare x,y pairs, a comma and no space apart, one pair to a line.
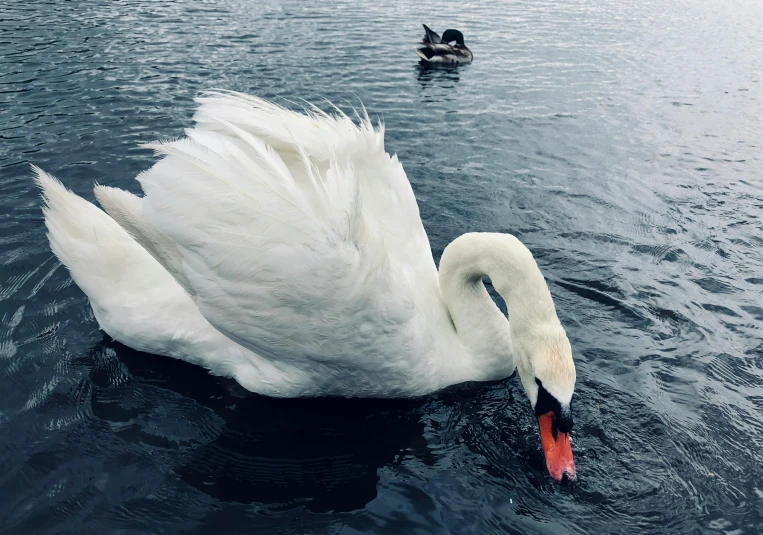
286,251
448,49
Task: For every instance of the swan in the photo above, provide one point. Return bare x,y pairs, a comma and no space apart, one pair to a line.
285,250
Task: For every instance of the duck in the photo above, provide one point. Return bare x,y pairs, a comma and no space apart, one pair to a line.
438,49
284,249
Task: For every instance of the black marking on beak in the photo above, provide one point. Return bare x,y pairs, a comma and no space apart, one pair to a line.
547,403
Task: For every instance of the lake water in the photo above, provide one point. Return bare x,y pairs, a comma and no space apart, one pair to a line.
621,141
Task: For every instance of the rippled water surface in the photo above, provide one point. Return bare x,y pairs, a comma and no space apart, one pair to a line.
620,140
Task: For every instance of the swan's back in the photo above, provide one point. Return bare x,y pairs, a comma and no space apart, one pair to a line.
338,167
298,237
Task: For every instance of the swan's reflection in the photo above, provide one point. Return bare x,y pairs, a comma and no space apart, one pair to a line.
323,454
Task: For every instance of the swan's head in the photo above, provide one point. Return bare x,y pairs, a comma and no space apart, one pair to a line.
547,372
537,341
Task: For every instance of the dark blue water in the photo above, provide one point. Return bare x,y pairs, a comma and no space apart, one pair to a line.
620,140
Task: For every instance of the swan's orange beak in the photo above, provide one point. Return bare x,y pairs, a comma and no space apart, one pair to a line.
557,449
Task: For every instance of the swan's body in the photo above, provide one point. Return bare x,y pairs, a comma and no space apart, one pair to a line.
286,251
449,49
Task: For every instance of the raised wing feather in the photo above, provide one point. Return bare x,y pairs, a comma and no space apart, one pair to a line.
430,36
299,235
127,210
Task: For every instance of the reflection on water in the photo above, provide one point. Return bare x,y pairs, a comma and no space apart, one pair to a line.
326,459
321,454
438,81
427,73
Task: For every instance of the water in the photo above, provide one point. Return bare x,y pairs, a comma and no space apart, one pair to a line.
621,141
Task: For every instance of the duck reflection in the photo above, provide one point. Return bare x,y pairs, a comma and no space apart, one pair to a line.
437,81
322,454
435,73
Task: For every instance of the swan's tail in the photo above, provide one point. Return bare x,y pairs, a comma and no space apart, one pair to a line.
134,299
73,227
99,254
130,292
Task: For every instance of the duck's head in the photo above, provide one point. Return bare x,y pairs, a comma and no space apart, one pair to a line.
451,36
547,372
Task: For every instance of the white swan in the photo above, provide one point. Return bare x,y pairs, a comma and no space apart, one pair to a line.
286,250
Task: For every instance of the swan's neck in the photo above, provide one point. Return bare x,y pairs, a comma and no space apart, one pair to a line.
496,346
